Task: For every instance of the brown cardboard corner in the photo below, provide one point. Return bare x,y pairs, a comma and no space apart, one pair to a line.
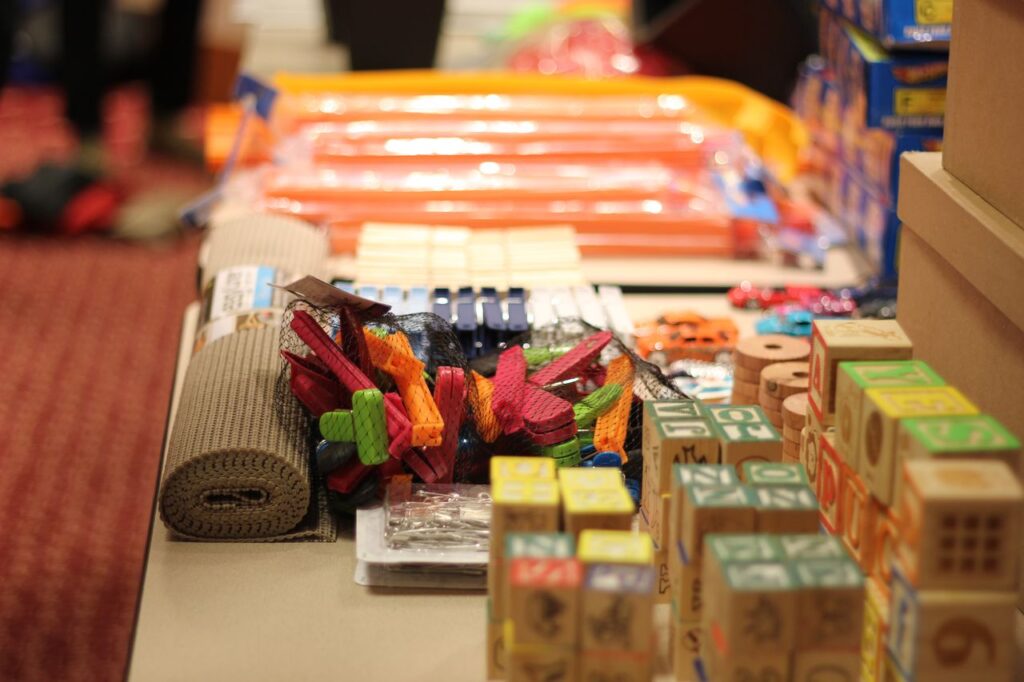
981,243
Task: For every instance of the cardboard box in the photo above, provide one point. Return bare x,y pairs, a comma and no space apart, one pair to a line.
885,90
917,24
985,141
961,285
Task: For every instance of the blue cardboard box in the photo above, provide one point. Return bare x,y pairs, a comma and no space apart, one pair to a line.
900,24
869,218
887,90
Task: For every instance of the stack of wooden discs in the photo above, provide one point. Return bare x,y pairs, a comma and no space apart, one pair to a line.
778,382
794,417
755,353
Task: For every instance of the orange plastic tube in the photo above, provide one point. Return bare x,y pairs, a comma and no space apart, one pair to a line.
610,430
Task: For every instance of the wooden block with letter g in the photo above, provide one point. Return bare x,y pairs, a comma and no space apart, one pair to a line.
942,636
833,341
960,523
884,408
853,378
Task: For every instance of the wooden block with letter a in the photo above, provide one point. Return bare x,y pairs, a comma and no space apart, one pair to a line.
786,509
746,434
962,437
544,600
884,408
942,636
606,666
617,608
831,604
960,523
835,340
600,509
829,481
853,378
876,629
857,509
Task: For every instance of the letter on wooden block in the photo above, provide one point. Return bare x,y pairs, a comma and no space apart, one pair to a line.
831,604
964,437
829,483
746,435
960,523
786,509
774,473
715,509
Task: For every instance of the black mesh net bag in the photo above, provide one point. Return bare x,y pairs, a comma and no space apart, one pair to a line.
395,395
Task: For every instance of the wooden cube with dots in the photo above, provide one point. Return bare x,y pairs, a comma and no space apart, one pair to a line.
951,636
853,378
960,523
884,408
833,341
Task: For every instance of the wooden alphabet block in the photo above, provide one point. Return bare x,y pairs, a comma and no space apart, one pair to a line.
746,434
669,410
523,545
604,666
535,663
786,509
690,441
835,340
685,580
590,478
857,509
727,549
544,600
774,473
507,466
662,580
960,525
831,604
876,628
715,509
522,505
951,636
835,666
829,481
600,509
496,656
884,408
755,611
685,475
818,546
809,444
776,666
853,378
964,437
615,547
618,609
886,536
685,647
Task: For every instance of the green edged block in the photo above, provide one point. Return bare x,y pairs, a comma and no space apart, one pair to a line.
752,432
786,497
973,433
673,409
774,473
704,474
539,545
890,374
828,573
760,576
371,430
684,428
336,426
728,548
730,496
814,547
737,414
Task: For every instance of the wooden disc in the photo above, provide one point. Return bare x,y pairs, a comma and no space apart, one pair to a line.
783,379
757,352
774,416
750,376
789,433
770,403
794,410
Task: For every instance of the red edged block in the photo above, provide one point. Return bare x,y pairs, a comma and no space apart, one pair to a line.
350,376
450,396
314,388
543,411
351,328
345,479
559,435
829,483
509,387
399,432
575,362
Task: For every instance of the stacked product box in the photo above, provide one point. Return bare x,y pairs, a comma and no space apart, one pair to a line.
865,105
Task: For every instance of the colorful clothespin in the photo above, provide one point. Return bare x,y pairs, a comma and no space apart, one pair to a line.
312,384
394,355
611,427
450,396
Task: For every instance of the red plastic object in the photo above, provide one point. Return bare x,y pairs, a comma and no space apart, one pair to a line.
509,388
450,396
315,389
573,363
399,432
345,479
92,209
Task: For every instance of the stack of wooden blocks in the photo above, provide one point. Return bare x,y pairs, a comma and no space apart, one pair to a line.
690,432
753,355
880,428
538,587
770,498
785,607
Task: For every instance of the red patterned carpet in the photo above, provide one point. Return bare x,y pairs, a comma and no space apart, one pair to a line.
88,337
